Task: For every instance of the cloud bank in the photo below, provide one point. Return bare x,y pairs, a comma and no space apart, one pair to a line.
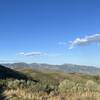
85,41
31,53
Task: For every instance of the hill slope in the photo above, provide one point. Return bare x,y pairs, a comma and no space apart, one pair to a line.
10,73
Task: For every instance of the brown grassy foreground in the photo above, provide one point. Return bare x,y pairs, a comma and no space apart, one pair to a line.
25,95
51,86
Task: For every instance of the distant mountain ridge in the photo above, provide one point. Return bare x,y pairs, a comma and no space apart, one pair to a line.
70,68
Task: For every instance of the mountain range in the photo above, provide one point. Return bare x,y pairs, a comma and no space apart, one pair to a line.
70,68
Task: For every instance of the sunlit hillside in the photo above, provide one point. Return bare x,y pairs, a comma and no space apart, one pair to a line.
39,85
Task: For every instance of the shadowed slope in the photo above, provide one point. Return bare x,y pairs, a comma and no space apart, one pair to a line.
10,73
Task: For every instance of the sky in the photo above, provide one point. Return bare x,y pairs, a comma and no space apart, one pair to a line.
50,31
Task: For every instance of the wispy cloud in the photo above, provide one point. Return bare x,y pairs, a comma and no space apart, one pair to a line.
85,41
31,53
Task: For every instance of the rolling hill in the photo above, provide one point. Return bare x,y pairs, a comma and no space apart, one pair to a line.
26,83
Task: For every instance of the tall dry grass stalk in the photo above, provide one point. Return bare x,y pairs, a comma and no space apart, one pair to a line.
20,94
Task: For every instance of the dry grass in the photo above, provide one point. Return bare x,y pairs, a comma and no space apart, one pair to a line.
20,94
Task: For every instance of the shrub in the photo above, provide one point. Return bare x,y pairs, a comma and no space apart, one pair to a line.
66,86
91,85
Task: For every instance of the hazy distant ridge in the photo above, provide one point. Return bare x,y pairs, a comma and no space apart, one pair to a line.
65,67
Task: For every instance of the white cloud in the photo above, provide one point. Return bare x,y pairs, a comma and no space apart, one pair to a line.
86,40
31,53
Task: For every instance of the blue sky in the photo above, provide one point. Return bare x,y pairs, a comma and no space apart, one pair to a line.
40,31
